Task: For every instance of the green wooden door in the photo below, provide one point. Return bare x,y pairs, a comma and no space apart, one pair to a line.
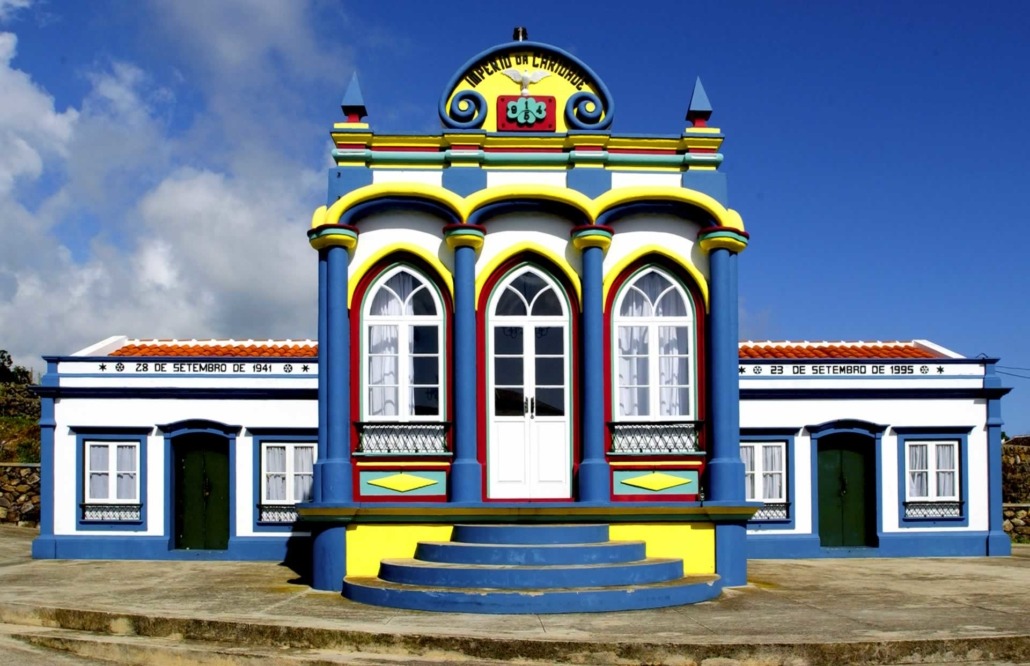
201,492
847,494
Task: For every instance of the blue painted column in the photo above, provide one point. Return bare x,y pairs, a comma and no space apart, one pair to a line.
725,470
466,481
333,468
595,484
45,546
323,403
998,543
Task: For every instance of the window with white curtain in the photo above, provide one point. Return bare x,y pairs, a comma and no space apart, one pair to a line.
931,469
288,472
654,351
764,476
112,472
403,338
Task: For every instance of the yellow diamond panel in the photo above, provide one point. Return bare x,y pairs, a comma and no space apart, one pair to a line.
403,482
656,481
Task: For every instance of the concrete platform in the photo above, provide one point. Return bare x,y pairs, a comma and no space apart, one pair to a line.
848,611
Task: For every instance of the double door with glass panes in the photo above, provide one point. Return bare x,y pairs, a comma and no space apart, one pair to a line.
529,444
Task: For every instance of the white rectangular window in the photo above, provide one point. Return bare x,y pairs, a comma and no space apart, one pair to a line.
764,475
287,472
931,471
112,472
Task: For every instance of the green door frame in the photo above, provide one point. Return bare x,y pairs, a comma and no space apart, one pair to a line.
197,430
859,434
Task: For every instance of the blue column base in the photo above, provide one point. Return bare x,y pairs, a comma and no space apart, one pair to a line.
329,558
595,481
44,547
336,481
725,480
731,554
466,481
998,544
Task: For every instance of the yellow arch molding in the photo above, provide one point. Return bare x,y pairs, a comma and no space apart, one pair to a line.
464,207
490,195
623,195
318,217
440,195
527,246
419,251
621,265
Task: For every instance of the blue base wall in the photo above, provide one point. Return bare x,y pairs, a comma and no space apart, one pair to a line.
157,548
964,544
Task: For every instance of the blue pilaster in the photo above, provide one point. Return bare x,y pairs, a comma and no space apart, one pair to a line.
594,479
336,466
466,472
323,403
998,543
725,468
594,472
44,546
332,473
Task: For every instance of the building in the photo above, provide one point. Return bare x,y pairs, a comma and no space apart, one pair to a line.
528,346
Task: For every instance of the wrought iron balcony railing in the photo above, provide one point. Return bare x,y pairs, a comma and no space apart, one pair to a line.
112,513
655,437
277,513
416,438
773,511
917,510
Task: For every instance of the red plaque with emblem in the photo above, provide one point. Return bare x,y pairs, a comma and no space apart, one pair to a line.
525,113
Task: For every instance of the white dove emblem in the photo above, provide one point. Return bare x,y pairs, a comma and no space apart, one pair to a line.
524,78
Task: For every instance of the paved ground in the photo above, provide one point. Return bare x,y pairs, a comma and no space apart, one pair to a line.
948,610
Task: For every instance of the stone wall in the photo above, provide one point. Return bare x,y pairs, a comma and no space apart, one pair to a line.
19,493
1017,522
1015,473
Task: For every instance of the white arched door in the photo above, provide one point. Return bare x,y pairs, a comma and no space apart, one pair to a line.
529,444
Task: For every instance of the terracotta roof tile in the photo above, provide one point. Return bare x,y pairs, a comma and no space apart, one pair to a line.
801,351
809,351
220,348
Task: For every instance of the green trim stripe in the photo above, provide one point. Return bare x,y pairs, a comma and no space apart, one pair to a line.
443,158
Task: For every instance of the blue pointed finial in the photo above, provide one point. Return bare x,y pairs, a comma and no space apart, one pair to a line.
700,109
353,103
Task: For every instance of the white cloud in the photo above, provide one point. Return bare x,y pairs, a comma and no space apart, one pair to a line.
30,128
10,7
150,232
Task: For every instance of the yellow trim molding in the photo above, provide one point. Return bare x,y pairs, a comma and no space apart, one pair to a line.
528,246
621,264
419,251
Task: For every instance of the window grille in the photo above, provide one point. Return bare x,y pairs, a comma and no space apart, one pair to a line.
772,512
653,437
112,512
933,509
409,438
276,513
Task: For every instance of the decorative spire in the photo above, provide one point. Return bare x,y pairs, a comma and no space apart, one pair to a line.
699,109
353,103
520,34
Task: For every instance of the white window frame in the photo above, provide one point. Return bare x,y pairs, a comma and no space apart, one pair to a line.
653,323
405,359
758,472
932,490
291,473
111,470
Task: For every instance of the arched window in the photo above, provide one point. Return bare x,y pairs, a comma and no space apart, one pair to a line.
529,386
402,330
654,348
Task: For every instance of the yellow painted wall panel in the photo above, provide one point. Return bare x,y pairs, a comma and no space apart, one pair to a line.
367,545
694,543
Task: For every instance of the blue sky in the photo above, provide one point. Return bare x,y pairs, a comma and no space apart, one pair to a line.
159,161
